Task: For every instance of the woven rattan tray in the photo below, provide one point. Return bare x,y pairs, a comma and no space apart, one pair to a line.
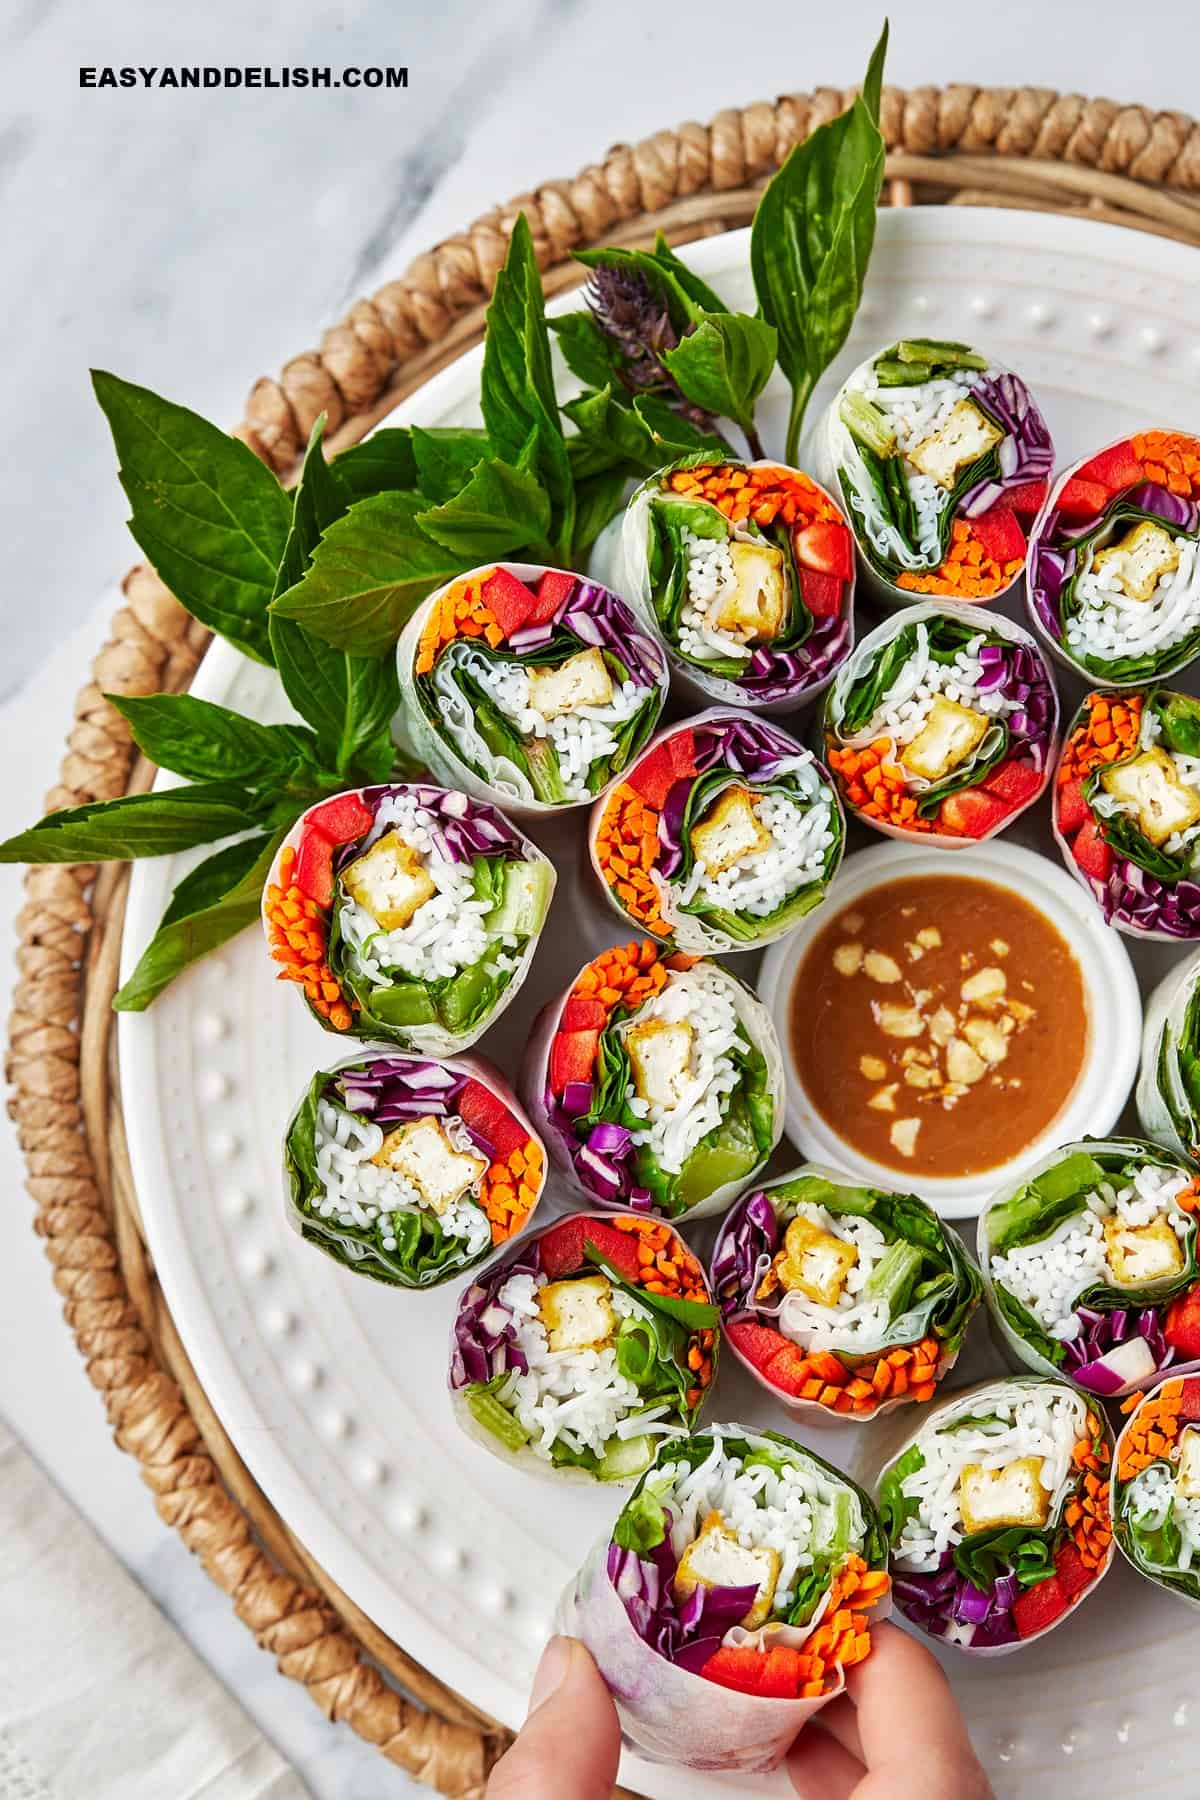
960,145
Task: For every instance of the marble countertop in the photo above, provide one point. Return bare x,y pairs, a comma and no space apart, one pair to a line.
191,241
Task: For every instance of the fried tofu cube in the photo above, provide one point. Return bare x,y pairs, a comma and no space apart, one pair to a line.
422,1152
966,436
583,680
660,1055
1139,559
389,881
1150,787
1140,1253
815,1262
731,832
1013,1495
1187,1478
578,1314
753,609
949,735
717,1559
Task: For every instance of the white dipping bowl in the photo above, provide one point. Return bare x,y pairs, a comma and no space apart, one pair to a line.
1113,1002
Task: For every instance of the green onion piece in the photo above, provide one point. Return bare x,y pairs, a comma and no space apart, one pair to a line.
866,423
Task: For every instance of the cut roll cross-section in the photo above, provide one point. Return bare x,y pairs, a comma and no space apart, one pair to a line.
1114,567
528,686
1127,809
407,914
740,1582
1156,1487
411,1171
722,834
943,460
843,1300
1168,1089
942,725
747,570
584,1346
657,1081
997,1513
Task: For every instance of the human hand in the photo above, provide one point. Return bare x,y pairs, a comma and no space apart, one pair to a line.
895,1734
568,1747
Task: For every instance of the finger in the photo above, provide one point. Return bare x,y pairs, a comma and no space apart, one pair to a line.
569,1745
840,1720
914,1738
820,1767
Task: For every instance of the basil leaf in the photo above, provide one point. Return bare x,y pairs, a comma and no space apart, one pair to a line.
699,292
500,510
520,407
445,460
219,898
380,464
212,519
598,499
369,571
135,825
674,434
207,742
351,700
586,351
723,365
812,237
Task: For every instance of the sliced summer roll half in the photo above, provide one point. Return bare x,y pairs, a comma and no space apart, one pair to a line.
1156,1487
411,1171
942,724
747,570
529,687
943,461
997,1513
842,1299
1168,1088
583,1346
1114,567
722,835
740,1582
657,1082
1127,809
1091,1264
407,914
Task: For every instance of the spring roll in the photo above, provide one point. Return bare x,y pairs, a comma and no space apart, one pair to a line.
720,837
842,1300
942,725
1114,566
406,914
741,1580
1127,809
1091,1264
527,686
1156,1488
747,570
409,1170
943,461
997,1513
1168,1088
583,1346
657,1082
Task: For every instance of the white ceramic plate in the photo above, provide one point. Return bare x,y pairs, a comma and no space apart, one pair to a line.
333,1388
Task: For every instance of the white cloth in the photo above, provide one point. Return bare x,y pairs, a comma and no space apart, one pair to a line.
100,1698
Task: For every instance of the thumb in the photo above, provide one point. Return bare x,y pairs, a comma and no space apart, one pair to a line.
568,1747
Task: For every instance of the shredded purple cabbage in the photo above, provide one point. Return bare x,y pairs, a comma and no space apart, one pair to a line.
597,616
1104,1330
943,1602
1021,673
392,1088
485,1336
796,674
748,1236
1138,899
465,828
686,1633
1026,453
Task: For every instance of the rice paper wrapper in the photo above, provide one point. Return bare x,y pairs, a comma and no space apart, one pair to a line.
619,559
534,1088
438,754
811,1411
1159,1095
1027,455
992,623
347,1251
688,931
1187,1591
1052,560
514,1258
1004,1333
895,1437
432,1039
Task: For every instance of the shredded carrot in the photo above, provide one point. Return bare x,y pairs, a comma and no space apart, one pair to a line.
764,492
625,975
912,1370
1170,458
461,612
509,1189
1109,732
627,849
298,936
967,572
1091,1527
875,784
843,1636
1152,1430
667,1266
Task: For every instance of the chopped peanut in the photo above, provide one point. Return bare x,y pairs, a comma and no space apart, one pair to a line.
848,959
881,968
